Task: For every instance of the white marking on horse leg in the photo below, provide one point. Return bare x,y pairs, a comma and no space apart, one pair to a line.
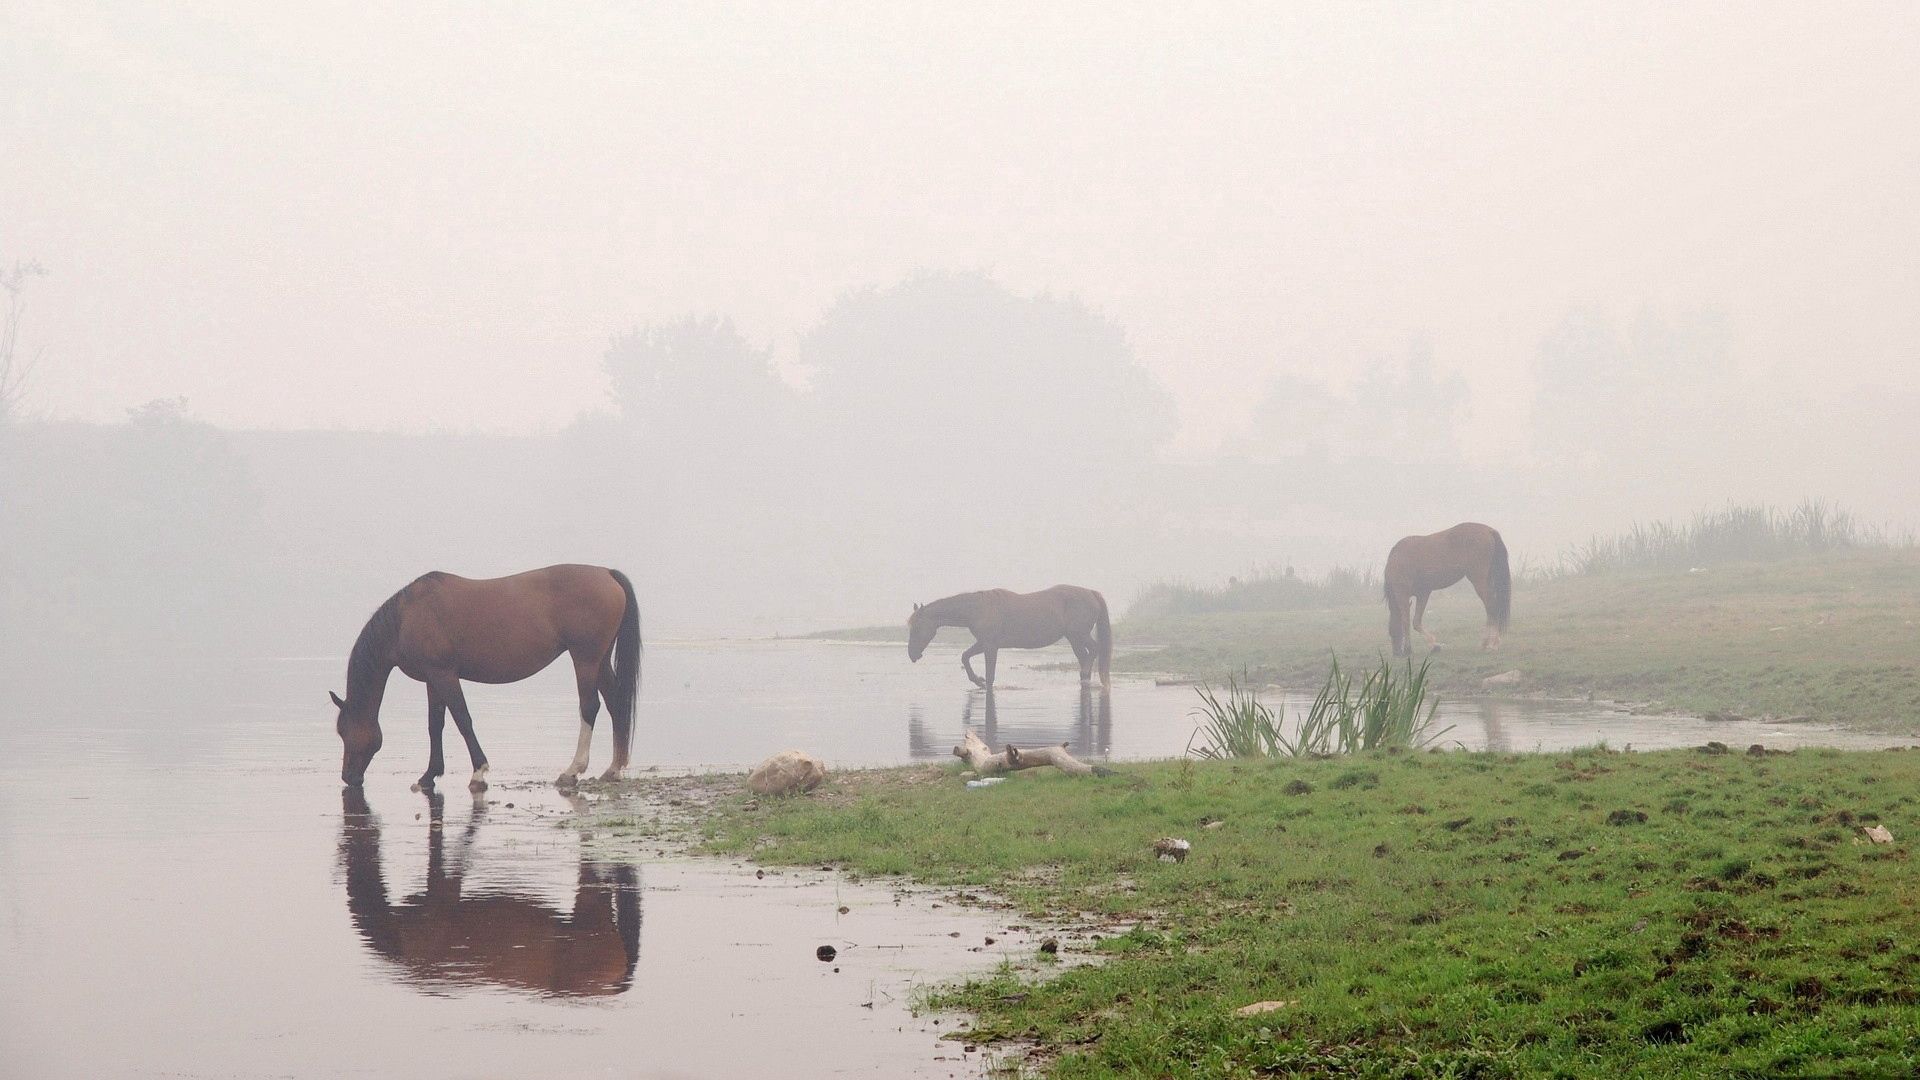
479,781
580,752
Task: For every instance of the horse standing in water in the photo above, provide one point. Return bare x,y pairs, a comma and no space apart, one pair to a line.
443,628
1420,564
1008,620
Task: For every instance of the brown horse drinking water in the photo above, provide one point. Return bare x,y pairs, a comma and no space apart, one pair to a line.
1008,620
442,628
1420,564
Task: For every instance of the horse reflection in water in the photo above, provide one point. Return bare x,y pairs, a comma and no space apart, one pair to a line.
440,936
1088,731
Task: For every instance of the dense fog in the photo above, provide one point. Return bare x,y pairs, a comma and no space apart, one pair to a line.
800,319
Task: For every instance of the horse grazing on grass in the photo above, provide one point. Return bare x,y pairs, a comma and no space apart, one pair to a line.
1008,620
1420,564
448,934
443,628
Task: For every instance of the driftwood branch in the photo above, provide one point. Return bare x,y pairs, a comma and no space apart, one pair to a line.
1012,759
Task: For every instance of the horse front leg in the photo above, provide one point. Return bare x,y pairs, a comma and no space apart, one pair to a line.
966,663
1419,613
993,657
436,723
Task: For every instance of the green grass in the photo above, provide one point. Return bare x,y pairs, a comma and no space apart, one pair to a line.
1586,914
1832,638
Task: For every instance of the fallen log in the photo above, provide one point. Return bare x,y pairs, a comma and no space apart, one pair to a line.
1012,759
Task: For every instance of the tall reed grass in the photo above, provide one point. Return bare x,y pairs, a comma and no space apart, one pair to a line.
1733,534
1390,708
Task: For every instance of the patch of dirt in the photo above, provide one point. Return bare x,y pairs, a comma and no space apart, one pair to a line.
666,808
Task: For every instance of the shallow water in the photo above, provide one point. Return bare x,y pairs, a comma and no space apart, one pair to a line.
185,891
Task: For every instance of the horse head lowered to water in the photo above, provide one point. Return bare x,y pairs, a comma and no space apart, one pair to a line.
1008,620
443,628
1418,565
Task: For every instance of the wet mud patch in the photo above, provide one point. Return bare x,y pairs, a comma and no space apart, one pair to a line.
807,948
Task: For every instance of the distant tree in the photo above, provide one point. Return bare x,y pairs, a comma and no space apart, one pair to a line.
13,369
187,502
697,383
1403,412
1661,386
1416,409
958,366
147,527
1297,419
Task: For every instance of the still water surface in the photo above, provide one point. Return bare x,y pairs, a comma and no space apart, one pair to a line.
185,890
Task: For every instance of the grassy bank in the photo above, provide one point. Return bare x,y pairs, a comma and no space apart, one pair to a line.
1588,914
1835,638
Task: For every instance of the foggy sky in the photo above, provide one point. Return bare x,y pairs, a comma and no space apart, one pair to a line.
436,220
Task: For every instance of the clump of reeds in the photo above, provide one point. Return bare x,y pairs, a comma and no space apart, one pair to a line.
1731,534
1391,707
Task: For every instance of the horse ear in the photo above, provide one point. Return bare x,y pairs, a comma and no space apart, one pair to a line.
916,607
337,703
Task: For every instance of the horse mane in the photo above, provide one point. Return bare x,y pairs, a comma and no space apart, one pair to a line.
956,596
371,658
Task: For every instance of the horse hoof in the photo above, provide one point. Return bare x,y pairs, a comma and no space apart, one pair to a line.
567,781
476,786
612,774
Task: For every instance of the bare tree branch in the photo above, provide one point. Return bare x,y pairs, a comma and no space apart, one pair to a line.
13,370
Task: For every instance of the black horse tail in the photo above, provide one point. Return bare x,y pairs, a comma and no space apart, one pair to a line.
1103,636
1499,585
626,915
626,658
